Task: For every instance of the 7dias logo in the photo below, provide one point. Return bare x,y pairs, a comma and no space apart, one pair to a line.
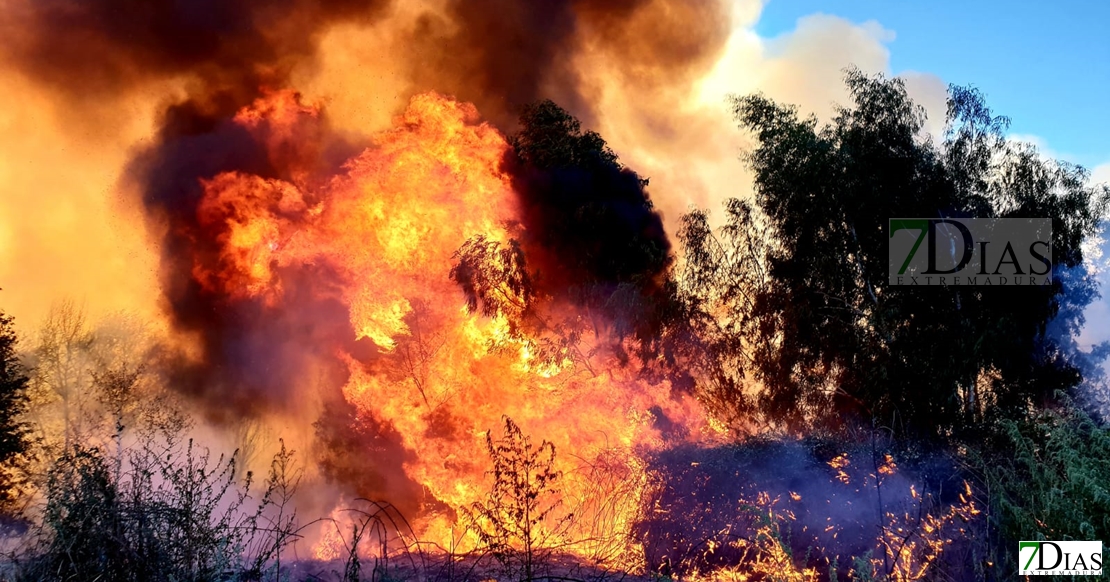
1055,558
970,251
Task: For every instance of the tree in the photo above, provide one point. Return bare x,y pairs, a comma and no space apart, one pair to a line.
590,240
722,275
61,361
591,213
14,433
117,389
828,339
1047,476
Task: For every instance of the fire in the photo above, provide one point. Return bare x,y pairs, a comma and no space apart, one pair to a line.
308,261
388,224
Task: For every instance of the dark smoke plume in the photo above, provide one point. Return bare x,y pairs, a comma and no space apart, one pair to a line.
231,50
503,55
500,54
233,47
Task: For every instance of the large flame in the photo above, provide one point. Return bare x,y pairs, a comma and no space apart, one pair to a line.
389,225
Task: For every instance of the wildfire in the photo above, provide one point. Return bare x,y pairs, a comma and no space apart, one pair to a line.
323,275
389,224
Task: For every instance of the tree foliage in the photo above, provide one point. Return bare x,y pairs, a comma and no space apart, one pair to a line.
1048,478
175,514
581,203
589,239
801,278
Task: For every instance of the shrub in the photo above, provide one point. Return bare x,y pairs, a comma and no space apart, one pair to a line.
518,522
175,514
1048,478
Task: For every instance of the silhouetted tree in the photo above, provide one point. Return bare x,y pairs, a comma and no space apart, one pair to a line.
589,238
61,360
175,513
14,432
826,336
591,212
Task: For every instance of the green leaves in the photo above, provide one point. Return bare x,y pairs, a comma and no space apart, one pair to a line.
493,278
1048,478
174,514
551,138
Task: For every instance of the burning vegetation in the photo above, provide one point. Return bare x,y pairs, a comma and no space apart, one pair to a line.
465,346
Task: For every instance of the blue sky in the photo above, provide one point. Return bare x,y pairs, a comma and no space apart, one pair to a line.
1046,65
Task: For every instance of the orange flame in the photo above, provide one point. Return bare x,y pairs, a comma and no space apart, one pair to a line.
389,224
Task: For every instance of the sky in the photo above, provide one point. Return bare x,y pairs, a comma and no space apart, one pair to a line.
1044,65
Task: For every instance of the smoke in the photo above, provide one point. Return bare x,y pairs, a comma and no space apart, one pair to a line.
87,82
252,356
498,54
90,49
502,55
826,499
65,231
677,129
157,89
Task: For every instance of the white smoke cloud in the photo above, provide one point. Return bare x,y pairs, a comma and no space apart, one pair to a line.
684,137
1097,314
